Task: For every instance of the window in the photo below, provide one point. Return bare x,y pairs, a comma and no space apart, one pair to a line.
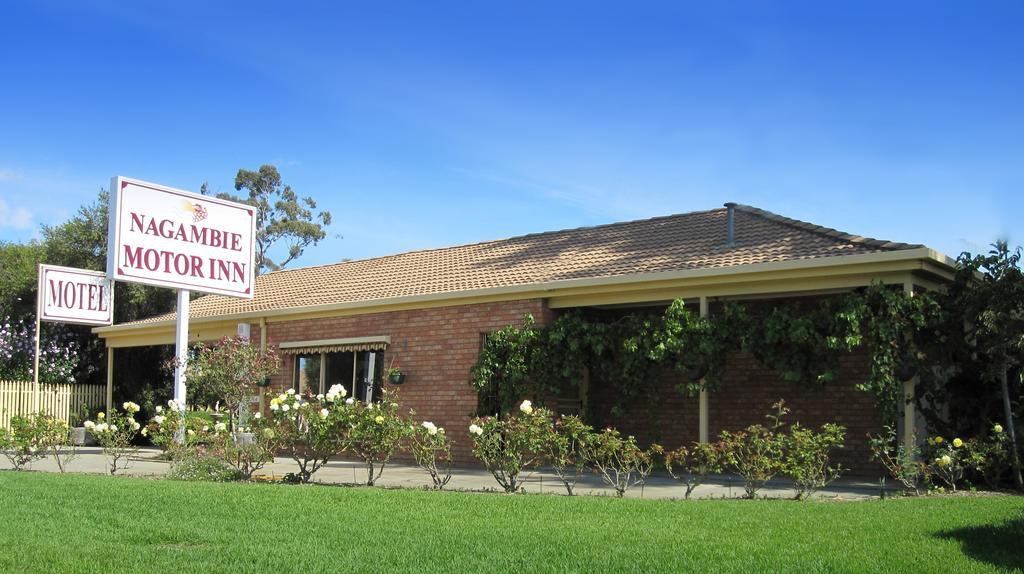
318,372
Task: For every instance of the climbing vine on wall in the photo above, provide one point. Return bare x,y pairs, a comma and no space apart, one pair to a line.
802,341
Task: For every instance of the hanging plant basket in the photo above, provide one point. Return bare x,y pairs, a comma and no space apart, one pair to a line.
905,370
696,373
264,382
396,378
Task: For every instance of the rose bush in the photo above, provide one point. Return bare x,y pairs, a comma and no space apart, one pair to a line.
432,451
510,445
116,435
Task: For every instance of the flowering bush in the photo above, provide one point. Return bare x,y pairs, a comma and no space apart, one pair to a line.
508,446
806,457
58,354
945,459
163,428
24,442
565,444
116,434
990,456
756,453
248,451
230,370
374,431
691,466
620,462
904,465
54,435
432,451
309,429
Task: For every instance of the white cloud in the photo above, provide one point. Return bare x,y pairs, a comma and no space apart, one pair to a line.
15,218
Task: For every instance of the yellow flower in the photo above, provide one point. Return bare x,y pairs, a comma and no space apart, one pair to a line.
958,443
998,428
379,419
943,460
938,440
101,416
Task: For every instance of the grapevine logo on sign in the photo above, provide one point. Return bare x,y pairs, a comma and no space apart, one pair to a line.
173,238
75,296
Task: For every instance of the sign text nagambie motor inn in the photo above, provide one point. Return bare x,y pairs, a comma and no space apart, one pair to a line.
172,238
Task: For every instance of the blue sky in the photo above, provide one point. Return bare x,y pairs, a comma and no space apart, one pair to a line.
426,124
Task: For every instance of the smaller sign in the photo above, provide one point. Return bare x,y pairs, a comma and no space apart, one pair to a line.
69,295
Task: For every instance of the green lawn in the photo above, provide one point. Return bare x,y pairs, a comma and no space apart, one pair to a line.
79,523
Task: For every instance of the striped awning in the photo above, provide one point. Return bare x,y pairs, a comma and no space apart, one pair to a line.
376,343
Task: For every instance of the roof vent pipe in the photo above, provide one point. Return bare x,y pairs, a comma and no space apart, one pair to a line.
730,224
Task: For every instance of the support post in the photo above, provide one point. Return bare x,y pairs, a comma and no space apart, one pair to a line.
263,349
110,378
181,356
704,433
909,411
35,356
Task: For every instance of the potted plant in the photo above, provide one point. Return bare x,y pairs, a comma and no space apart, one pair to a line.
77,435
395,374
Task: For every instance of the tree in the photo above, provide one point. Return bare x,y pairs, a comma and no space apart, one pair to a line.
18,274
281,216
988,290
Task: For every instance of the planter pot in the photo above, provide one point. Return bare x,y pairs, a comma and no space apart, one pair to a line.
905,370
80,437
696,373
263,382
244,438
396,378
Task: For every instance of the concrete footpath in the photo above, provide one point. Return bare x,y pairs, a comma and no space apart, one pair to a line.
660,485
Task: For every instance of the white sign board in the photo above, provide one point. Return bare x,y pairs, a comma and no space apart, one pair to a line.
172,238
70,295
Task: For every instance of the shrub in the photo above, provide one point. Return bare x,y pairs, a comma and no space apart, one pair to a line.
903,465
806,457
620,462
375,430
510,445
945,459
756,453
245,456
691,466
163,428
432,451
54,437
308,429
230,371
23,443
116,434
566,441
195,466
990,456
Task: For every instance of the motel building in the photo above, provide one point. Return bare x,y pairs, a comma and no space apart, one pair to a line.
428,310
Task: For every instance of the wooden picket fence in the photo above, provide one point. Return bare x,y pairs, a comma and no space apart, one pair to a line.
59,400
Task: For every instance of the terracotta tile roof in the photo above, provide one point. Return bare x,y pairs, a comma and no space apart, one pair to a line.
676,242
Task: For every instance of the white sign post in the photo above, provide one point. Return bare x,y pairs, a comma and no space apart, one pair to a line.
68,295
186,241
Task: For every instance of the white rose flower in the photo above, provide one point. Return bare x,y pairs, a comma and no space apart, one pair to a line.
323,413
159,409
273,406
476,429
320,397
220,427
90,425
349,401
191,432
291,391
206,428
526,407
431,427
159,419
285,408
113,428
135,425
257,416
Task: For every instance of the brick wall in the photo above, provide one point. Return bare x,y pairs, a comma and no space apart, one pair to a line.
745,396
434,347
